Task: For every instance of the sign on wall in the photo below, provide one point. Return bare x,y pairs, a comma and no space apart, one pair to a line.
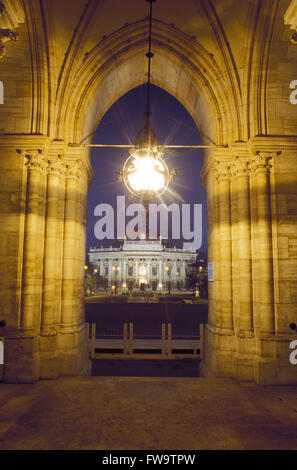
211,271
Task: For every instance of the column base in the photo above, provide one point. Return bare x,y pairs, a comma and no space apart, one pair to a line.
244,357
21,360
50,360
73,348
48,356
218,353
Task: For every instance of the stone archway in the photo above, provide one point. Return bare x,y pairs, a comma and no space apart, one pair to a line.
46,170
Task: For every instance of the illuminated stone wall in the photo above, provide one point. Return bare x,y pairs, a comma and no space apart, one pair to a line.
230,64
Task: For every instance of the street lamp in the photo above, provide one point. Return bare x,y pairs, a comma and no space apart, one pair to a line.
145,174
168,269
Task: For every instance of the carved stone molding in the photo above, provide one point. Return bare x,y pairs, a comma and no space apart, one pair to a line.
56,165
6,35
290,16
241,167
222,170
261,163
73,168
11,15
290,19
35,161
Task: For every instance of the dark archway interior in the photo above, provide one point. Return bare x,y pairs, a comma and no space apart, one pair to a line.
173,125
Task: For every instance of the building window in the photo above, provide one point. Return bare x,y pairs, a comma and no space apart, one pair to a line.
142,270
130,270
106,270
154,271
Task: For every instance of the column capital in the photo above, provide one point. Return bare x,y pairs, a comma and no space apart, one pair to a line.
241,166
56,165
35,160
73,168
261,162
222,170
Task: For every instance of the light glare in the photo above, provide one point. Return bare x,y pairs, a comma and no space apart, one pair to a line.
146,174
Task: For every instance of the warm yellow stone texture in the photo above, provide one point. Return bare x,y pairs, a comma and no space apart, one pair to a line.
230,64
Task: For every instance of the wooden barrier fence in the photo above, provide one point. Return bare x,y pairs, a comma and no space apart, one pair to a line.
166,343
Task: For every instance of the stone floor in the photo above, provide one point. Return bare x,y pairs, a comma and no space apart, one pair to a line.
147,413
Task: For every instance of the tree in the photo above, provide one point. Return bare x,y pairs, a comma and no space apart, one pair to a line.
93,281
197,276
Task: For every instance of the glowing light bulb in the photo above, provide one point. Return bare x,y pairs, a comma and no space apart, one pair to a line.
146,174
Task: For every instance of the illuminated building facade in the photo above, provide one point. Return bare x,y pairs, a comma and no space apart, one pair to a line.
142,266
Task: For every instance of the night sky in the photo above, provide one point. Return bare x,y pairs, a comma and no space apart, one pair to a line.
173,125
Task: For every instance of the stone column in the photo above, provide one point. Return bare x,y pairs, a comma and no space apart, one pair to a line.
160,273
35,164
101,268
174,274
73,340
181,276
124,271
225,252
235,251
110,272
83,183
49,364
49,303
264,255
148,272
136,271
242,172
213,238
68,313
60,245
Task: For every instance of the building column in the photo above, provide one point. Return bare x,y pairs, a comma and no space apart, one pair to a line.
69,248
22,355
148,272
110,273
73,341
160,274
235,252
50,250
101,268
225,249
265,323
213,237
219,338
83,182
35,165
49,365
242,174
124,272
242,266
174,275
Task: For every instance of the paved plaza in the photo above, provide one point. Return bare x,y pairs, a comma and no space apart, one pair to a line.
147,413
